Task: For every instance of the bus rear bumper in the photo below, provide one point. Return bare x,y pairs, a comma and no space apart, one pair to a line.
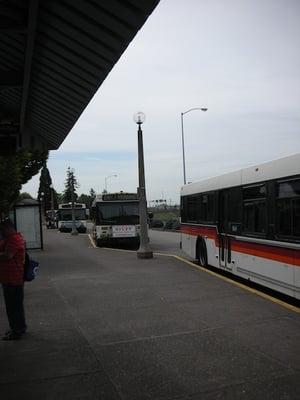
109,241
79,230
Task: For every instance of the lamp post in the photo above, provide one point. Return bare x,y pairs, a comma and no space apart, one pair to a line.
52,200
107,177
42,203
144,250
74,231
182,136
52,205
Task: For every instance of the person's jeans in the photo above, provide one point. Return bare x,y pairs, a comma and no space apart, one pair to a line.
14,303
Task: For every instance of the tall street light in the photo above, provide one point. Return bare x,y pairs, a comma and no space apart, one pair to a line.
74,231
182,136
42,203
144,251
52,203
52,198
107,177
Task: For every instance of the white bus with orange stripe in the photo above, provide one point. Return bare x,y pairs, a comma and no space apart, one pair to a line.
248,222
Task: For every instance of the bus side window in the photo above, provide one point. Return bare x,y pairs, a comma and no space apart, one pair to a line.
192,208
288,208
254,210
296,217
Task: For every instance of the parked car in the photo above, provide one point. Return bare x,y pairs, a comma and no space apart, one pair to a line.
176,226
157,223
172,224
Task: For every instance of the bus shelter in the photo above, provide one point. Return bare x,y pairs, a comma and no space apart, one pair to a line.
28,221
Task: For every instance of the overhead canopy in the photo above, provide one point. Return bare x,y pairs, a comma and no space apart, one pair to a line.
54,55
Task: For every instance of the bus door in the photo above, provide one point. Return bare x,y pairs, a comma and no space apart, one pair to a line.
224,239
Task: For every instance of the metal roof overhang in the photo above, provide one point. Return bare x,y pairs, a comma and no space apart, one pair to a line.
54,55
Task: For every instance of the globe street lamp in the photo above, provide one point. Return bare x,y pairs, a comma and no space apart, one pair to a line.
106,178
182,136
52,200
74,231
52,221
144,250
42,203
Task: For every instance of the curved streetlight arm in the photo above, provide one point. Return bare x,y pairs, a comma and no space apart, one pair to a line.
107,177
111,176
195,108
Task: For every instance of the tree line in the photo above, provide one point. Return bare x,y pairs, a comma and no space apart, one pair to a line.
15,171
18,169
47,194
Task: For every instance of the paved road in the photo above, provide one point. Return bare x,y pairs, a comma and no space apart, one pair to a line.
165,242
106,325
161,241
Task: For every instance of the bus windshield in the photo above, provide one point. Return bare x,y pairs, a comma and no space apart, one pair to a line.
118,213
66,214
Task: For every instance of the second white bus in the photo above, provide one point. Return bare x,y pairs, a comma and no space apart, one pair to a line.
116,218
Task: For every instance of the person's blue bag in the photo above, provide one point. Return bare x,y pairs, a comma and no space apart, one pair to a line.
30,268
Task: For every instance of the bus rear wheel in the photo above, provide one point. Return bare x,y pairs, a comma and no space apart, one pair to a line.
201,252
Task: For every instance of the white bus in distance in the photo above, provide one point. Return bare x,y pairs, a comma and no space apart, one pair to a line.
65,217
116,218
248,222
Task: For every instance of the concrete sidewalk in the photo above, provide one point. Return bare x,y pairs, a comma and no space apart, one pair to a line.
105,325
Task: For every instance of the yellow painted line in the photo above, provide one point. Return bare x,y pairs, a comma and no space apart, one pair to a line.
241,285
164,254
91,240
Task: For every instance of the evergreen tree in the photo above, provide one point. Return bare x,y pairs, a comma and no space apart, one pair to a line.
71,184
44,193
93,194
59,198
56,199
87,199
84,198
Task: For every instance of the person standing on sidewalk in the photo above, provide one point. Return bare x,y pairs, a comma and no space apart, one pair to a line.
12,255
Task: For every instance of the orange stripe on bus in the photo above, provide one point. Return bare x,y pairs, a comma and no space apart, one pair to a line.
210,232
275,253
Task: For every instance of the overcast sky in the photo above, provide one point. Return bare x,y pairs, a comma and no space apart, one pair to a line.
240,58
